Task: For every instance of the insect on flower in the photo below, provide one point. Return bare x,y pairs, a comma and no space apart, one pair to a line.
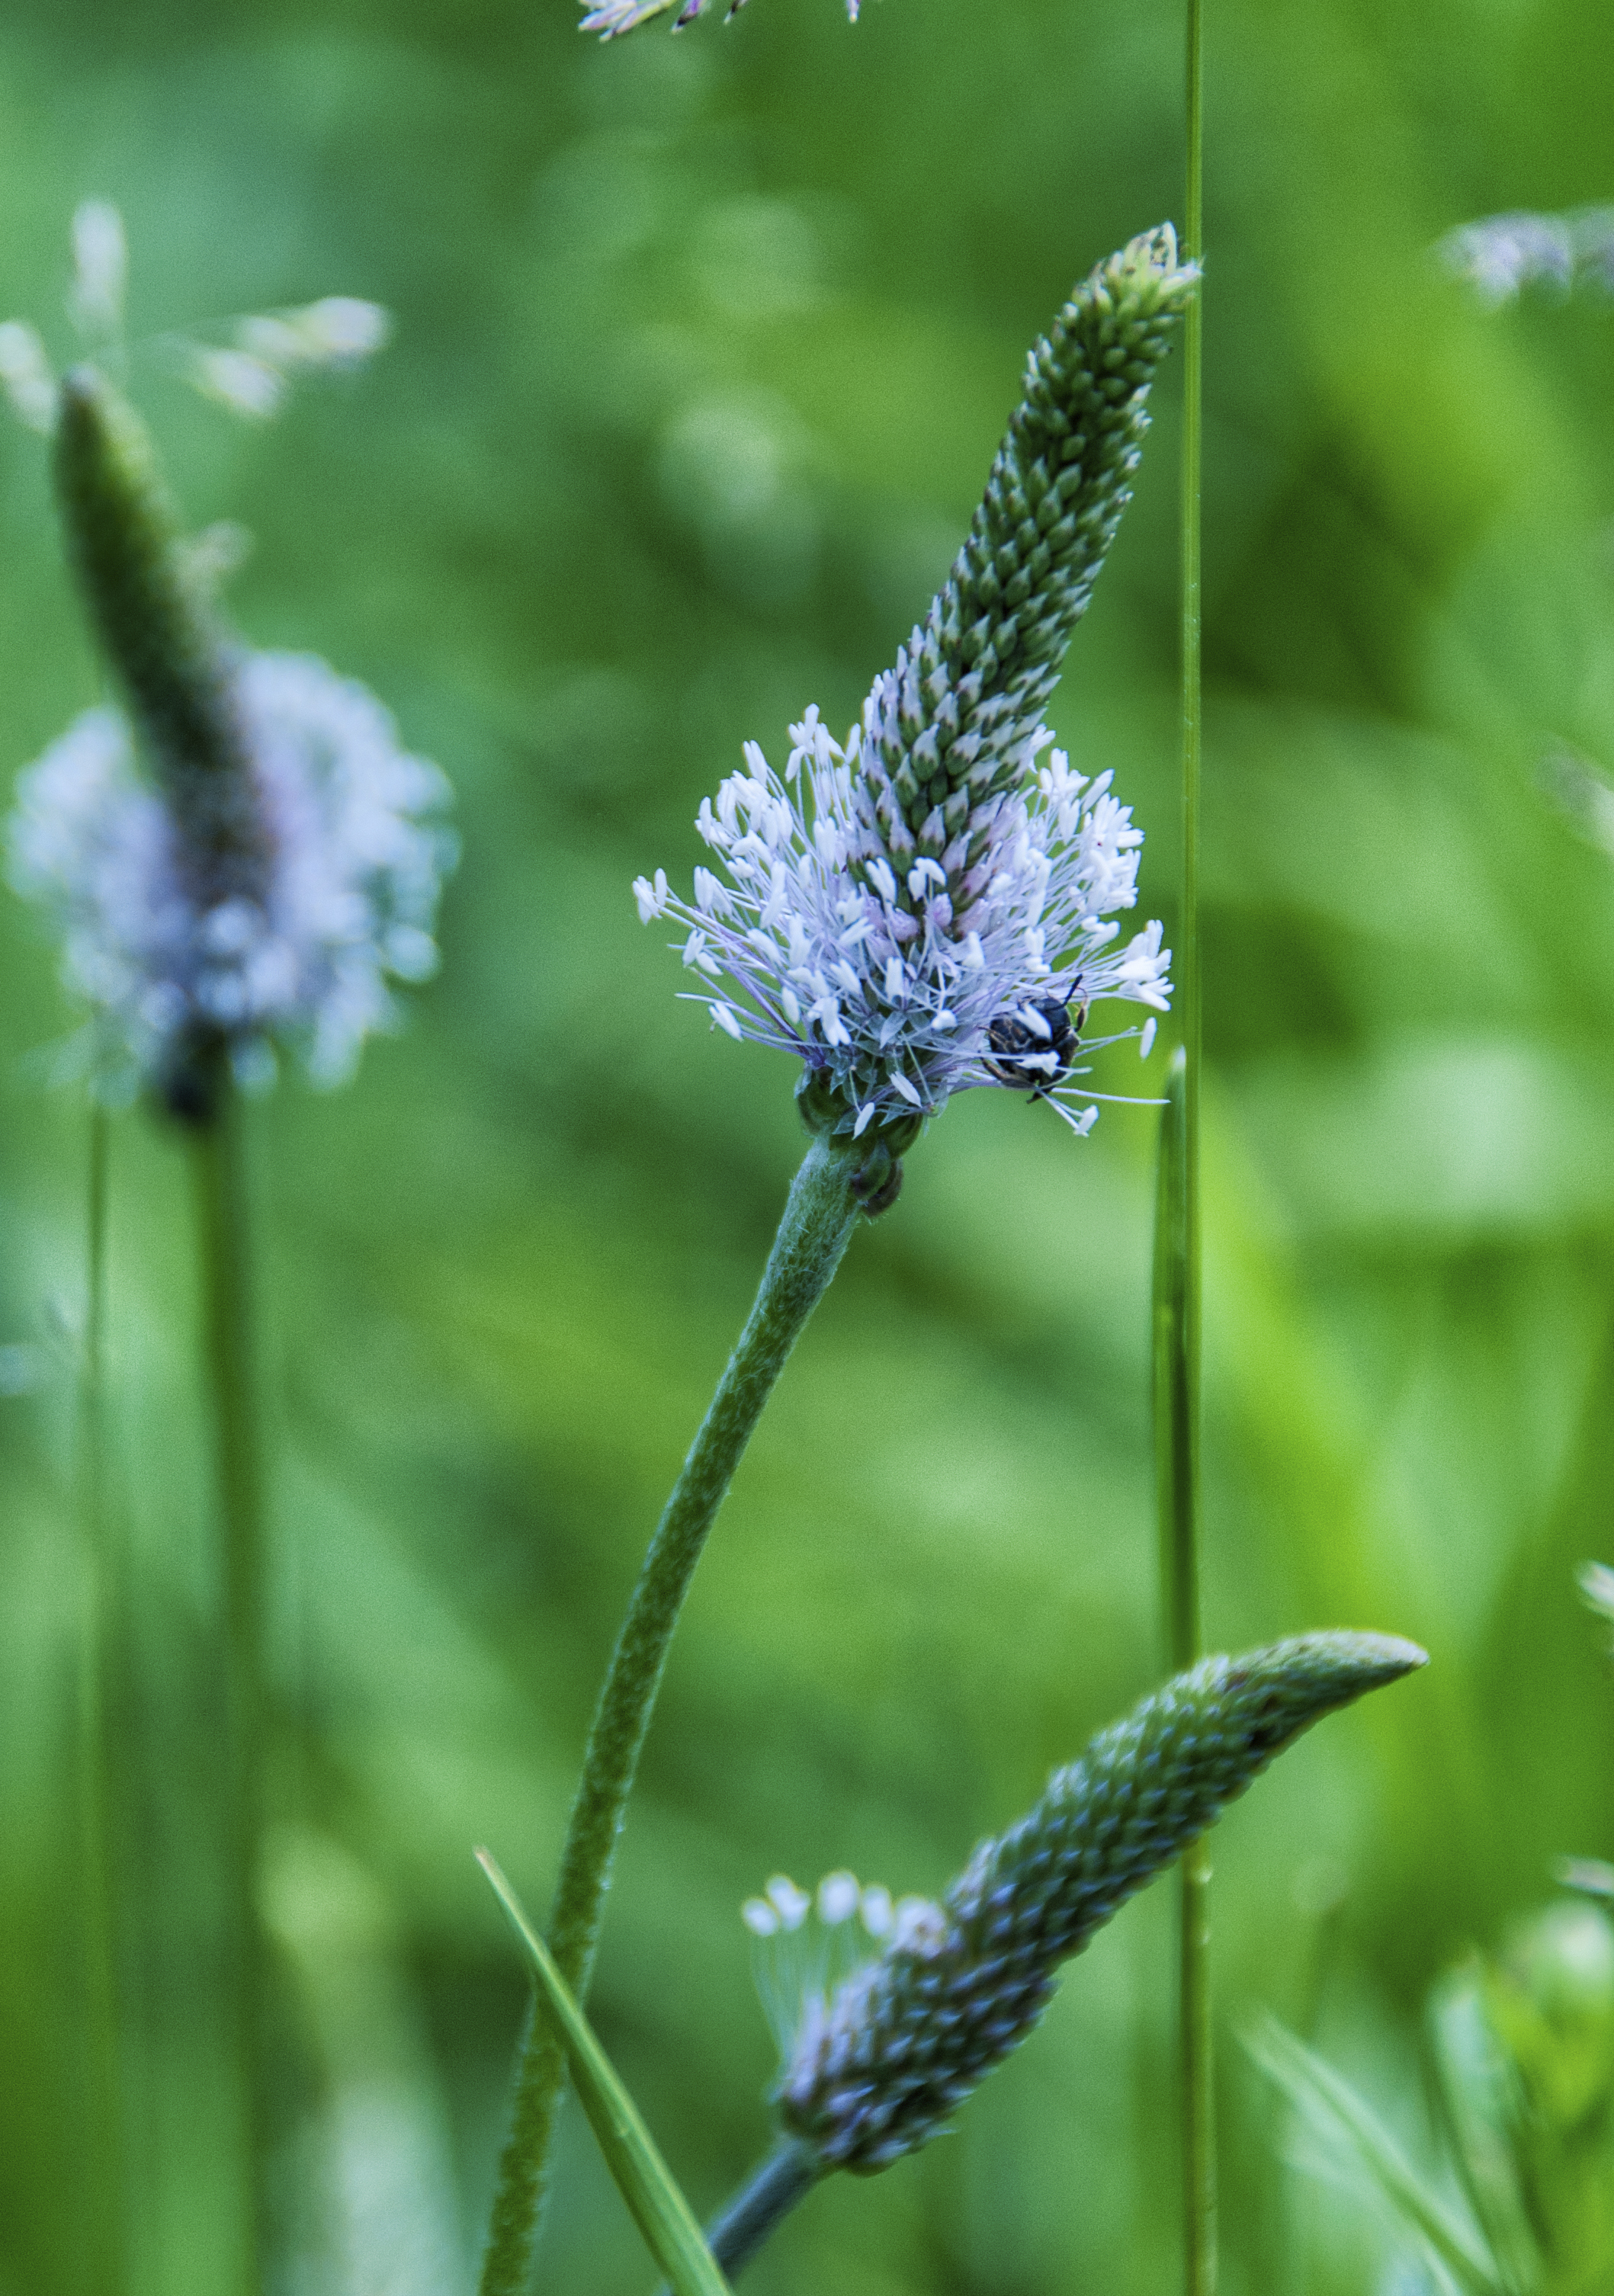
1035,1045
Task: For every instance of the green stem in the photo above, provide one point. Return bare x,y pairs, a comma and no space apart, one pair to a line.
763,2200
1180,1414
813,1234
221,1207
99,1800
785,2178
1188,974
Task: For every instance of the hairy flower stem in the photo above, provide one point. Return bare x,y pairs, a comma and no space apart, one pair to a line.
787,2176
1179,1454
216,1150
99,1798
763,2202
837,1179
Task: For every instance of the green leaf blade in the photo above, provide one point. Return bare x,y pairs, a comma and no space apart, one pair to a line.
671,2230
1346,2122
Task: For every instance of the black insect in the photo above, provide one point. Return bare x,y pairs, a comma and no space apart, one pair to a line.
1033,1047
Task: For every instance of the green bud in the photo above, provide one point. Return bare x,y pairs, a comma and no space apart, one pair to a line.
877,1182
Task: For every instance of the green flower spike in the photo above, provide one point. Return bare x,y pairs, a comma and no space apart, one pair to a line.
159,633
880,2066
875,2067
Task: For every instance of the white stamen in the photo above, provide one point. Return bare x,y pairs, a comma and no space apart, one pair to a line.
236,380
920,1926
791,1904
876,1910
838,1897
651,898
25,377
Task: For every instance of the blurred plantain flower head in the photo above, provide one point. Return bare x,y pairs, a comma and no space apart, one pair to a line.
242,856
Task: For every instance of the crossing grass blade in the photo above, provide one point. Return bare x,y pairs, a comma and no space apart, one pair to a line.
662,2214
1351,2129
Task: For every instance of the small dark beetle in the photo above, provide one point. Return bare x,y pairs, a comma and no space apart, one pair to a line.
1029,1057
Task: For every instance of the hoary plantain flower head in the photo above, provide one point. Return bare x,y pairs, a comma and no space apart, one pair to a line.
241,857
932,904
889,2015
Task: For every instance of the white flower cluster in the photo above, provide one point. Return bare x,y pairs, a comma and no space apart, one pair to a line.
356,849
806,1946
892,998
1501,255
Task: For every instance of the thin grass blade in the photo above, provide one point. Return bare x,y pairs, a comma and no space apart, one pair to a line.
1485,2112
662,2214
1175,1416
1177,1486
1347,2124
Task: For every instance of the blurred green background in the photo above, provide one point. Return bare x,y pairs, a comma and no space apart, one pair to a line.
704,345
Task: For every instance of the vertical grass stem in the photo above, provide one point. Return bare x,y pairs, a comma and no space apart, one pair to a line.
813,1234
1176,1465
99,1800
222,1244
1177,1266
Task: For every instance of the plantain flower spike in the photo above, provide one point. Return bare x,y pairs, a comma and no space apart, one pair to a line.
242,856
929,904
876,2064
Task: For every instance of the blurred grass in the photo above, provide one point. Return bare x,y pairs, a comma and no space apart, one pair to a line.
703,349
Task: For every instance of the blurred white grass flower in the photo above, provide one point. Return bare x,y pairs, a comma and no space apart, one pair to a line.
247,857
246,385
355,847
249,374
926,908
26,376
1582,793
252,376
1499,256
338,331
101,270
